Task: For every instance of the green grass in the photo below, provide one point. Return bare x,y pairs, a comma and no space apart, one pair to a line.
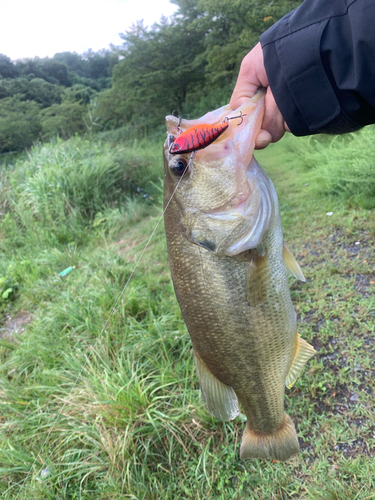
99,395
343,166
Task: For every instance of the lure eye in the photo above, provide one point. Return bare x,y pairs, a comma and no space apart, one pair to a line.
178,167
174,148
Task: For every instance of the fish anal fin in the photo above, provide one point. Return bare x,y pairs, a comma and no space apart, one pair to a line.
279,445
291,264
304,352
257,278
221,400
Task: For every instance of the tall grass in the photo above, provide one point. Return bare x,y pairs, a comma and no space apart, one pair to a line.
64,196
342,166
99,399
63,186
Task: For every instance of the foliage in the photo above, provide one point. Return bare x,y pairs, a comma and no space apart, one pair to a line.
19,123
157,71
46,69
80,93
186,63
63,120
232,28
36,89
175,64
63,67
57,92
7,68
90,64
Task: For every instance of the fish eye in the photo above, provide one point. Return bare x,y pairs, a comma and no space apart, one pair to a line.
178,166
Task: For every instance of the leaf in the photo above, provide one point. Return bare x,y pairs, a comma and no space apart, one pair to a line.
7,292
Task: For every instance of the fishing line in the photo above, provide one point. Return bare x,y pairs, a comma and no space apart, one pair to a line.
105,325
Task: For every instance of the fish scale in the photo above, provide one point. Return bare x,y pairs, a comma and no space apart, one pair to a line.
228,263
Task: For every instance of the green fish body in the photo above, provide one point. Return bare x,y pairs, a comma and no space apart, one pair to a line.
228,263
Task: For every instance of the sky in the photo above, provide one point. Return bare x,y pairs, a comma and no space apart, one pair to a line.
41,28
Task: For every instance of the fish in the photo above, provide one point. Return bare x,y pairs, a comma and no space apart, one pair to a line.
229,265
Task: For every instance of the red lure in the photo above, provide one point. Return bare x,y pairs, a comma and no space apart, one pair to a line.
197,137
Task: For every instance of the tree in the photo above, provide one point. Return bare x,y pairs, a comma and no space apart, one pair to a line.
37,90
158,69
72,60
7,68
19,123
232,29
57,70
64,120
80,93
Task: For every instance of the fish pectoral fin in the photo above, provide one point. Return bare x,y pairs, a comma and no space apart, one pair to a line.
304,352
257,278
291,264
221,400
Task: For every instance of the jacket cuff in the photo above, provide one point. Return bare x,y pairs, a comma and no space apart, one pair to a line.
296,76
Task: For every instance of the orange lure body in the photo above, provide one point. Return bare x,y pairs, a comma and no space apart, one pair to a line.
197,137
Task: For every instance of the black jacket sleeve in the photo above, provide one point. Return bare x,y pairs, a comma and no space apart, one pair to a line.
320,63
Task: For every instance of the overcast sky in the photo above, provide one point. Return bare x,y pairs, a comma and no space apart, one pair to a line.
41,28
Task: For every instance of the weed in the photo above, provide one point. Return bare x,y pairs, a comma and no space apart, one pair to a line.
99,396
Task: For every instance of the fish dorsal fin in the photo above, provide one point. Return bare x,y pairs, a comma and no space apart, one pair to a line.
291,264
221,400
257,278
304,352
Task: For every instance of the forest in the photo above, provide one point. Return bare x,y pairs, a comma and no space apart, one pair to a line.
195,55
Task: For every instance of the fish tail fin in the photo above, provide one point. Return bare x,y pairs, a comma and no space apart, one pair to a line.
279,445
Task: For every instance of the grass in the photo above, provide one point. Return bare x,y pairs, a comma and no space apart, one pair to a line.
99,395
343,165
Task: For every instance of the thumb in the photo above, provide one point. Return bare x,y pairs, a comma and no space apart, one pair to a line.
252,75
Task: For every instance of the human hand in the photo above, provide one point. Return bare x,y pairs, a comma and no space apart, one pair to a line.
253,75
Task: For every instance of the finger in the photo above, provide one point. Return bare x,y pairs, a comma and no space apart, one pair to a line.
252,75
273,120
242,92
263,139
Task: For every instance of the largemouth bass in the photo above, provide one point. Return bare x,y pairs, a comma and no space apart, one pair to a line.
228,262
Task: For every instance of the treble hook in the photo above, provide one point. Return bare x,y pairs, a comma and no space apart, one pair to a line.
179,120
227,118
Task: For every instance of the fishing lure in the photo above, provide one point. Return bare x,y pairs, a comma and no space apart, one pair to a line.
198,136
